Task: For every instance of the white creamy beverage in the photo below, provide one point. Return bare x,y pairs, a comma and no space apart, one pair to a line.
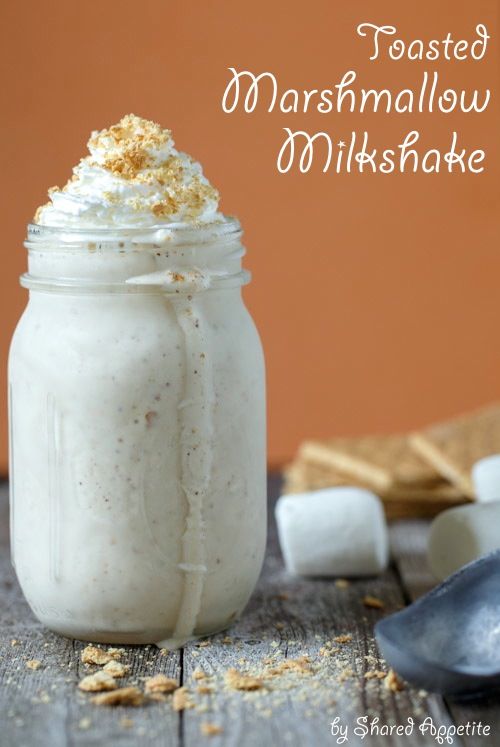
137,414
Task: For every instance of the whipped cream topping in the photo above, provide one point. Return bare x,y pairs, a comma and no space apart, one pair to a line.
133,176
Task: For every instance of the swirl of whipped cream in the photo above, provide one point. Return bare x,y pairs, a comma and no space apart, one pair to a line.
133,176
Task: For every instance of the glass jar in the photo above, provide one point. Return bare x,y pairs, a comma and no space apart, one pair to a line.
137,433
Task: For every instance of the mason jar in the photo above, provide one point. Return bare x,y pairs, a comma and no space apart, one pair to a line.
137,433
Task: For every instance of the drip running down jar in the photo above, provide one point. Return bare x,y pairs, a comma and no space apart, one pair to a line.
137,432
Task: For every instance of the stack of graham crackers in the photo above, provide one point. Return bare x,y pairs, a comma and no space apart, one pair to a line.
416,475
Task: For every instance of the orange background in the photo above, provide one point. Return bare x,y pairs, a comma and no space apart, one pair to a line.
377,297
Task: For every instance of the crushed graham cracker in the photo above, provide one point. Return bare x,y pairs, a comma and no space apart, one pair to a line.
130,696
373,674
160,683
238,681
33,664
115,653
210,730
140,152
181,700
95,655
392,682
116,669
373,602
99,681
301,665
342,583
199,674
345,638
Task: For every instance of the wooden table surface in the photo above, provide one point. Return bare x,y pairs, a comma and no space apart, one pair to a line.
286,619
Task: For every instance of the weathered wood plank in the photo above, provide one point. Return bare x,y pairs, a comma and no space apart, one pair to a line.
43,708
309,614
286,619
409,547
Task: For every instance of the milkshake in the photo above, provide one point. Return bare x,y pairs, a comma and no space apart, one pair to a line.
136,400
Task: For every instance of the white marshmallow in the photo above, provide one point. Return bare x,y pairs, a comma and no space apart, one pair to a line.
486,478
333,532
462,534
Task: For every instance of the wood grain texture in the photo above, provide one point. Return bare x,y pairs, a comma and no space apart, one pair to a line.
286,618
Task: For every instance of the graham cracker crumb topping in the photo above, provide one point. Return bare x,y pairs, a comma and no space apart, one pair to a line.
133,167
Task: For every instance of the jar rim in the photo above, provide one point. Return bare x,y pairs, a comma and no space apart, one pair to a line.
159,233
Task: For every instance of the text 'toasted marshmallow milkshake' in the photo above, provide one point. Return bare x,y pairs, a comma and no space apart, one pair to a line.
137,412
